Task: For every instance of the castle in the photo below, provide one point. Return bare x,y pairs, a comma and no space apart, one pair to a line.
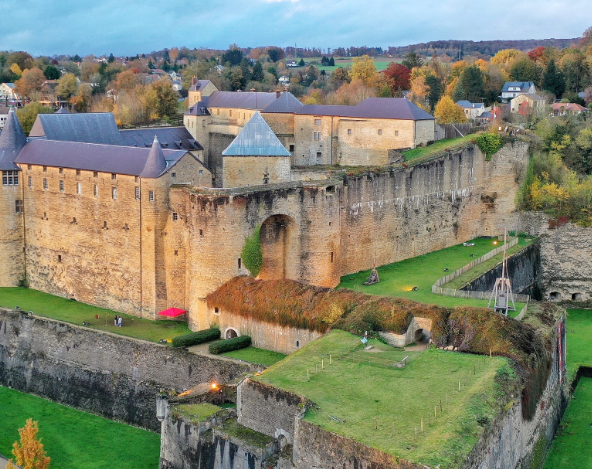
142,220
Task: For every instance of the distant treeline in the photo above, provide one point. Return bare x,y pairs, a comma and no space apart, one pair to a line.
484,48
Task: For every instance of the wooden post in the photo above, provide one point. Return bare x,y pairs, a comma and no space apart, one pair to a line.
459,385
435,412
446,398
330,360
322,364
307,375
375,423
421,426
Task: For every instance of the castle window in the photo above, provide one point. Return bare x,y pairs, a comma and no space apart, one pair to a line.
29,166
61,185
45,169
18,206
113,176
176,252
114,193
126,227
348,131
379,131
61,170
201,172
151,196
78,188
240,263
173,175
105,227
59,258
30,181
175,216
292,148
95,191
136,179
230,113
317,121
396,133
331,257
77,172
44,184
216,310
317,135
74,222
203,123
201,232
137,193
95,174
10,178
319,155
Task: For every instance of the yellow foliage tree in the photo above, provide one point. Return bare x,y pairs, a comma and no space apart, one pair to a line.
419,92
14,68
29,453
364,69
504,58
448,112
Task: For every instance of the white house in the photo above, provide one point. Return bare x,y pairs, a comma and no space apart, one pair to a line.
511,89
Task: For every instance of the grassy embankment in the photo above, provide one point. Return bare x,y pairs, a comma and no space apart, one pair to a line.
361,395
74,439
75,312
571,447
398,279
256,355
440,145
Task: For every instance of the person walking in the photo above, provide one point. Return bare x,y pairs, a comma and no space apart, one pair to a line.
120,321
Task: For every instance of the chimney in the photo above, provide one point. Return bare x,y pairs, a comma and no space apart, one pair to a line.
194,81
278,93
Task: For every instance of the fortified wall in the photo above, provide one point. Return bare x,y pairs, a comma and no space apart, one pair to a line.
317,231
110,375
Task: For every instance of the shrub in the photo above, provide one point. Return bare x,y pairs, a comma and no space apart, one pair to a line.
252,255
490,143
195,338
229,345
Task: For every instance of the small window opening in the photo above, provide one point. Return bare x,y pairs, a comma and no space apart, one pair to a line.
297,343
77,172
29,166
173,175
30,181
45,169
151,196
576,297
78,188
319,155
18,206
292,148
396,133
61,170
126,227
137,193
74,221
216,310
175,216
95,190
95,174
59,258
240,263
105,227
136,179
349,132
201,172
331,257
114,193
113,176
61,185
176,252
201,232
330,189
379,131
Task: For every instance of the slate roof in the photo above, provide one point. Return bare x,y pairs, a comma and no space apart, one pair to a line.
241,99
173,138
12,140
155,163
534,97
256,139
94,157
468,104
523,85
200,108
371,108
84,127
287,103
62,110
199,85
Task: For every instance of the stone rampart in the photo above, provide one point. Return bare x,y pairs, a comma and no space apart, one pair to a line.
99,372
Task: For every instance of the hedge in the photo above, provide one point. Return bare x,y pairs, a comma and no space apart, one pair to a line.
229,345
195,338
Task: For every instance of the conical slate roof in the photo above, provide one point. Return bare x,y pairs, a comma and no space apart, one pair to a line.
156,162
12,140
256,139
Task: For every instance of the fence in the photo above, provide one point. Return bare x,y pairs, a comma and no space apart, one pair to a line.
477,295
446,131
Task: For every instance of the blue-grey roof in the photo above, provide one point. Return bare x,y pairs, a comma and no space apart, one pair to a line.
200,108
173,138
12,140
155,163
468,104
63,110
371,108
287,103
241,99
256,139
199,85
523,85
84,127
94,157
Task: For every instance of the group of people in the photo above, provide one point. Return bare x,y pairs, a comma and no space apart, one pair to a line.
118,321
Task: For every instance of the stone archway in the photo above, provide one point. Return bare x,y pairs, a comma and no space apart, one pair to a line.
230,333
279,248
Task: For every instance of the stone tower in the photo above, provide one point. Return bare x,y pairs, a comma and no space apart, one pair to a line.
12,259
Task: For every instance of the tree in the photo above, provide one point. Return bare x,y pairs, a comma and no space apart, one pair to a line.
174,54
29,453
435,90
363,69
470,85
275,53
412,60
586,39
301,63
339,77
524,69
553,81
81,101
448,112
331,62
28,114
67,86
14,68
233,56
166,98
397,78
30,82
257,74
505,57
52,72
111,58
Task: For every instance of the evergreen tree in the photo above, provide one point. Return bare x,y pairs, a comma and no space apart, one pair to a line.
324,61
553,80
111,58
435,90
301,63
331,62
471,85
51,72
258,72
412,60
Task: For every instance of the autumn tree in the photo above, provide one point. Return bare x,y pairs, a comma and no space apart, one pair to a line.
398,78
82,100
586,39
28,114
126,81
31,81
29,454
506,57
67,86
524,69
412,60
363,69
174,54
275,53
166,98
448,112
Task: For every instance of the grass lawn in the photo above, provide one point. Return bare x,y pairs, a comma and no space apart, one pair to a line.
381,405
196,412
398,279
74,312
74,439
571,447
579,337
436,147
256,355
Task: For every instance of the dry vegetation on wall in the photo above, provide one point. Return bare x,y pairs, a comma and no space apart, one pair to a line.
474,330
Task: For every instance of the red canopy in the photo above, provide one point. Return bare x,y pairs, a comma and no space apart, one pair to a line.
172,312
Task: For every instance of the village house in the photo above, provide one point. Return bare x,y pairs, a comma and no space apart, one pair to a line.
472,110
562,109
511,89
8,96
527,104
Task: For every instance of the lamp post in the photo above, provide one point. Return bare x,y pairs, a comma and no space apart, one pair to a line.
162,407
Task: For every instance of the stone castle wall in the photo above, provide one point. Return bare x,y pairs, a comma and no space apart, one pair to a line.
240,171
102,373
12,244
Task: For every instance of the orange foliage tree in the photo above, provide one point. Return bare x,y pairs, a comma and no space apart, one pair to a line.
29,453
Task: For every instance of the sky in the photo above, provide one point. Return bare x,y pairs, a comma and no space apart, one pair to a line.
128,27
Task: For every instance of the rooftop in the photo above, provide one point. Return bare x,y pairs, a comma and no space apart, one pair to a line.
371,108
256,139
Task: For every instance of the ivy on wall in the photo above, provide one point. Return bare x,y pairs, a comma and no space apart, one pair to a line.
490,143
252,255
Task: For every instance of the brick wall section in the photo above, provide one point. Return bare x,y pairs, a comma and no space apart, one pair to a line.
103,373
11,236
268,410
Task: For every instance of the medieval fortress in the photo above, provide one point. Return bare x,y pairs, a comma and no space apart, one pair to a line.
142,220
